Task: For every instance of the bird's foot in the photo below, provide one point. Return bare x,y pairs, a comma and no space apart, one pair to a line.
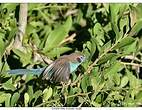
65,85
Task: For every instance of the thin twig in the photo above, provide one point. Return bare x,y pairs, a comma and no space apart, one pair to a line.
45,7
70,12
55,100
77,80
79,94
132,64
69,39
131,57
45,59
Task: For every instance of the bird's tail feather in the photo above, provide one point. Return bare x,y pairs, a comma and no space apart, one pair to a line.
26,71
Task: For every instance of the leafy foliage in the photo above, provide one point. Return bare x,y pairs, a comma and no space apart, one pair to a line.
109,35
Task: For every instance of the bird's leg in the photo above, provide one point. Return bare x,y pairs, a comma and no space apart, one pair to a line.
77,80
69,82
65,85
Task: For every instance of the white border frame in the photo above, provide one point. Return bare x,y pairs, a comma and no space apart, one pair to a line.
71,1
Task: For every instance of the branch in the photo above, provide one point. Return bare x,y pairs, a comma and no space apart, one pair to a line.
79,78
39,56
132,64
70,12
22,25
132,58
17,43
105,52
55,100
69,39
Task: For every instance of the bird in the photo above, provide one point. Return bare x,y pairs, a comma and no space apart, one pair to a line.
58,71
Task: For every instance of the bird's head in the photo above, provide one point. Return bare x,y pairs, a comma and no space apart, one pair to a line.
75,59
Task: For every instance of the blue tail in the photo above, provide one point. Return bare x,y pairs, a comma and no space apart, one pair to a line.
26,71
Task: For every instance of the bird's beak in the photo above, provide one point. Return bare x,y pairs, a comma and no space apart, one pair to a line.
84,58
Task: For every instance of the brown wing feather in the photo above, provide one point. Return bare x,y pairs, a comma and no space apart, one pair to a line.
58,71
61,72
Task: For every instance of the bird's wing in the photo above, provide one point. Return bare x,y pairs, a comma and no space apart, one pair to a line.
62,73
57,71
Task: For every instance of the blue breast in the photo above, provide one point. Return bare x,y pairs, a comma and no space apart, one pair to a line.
73,66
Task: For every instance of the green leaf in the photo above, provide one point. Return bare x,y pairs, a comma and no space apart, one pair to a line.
26,99
85,83
12,34
72,91
136,28
124,81
2,45
114,9
7,100
139,98
36,95
36,40
47,93
36,24
124,42
124,25
14,98
45,33
105,47
29,77
98,34
117,79
95,104
5,97
97,86
33,6
25,58
79,16
80,99
113,69
98,98
134,82
139,10
30,92
129,102
132,48
94,83
10,7
58,51
2,97
58,35
107,57
135,12
8,85
92,47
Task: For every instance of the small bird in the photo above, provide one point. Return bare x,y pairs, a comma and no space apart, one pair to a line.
57,71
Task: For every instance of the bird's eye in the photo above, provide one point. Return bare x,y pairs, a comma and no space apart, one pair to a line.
80,59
